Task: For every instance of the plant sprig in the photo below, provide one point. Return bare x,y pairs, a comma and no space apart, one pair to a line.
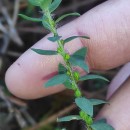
66,75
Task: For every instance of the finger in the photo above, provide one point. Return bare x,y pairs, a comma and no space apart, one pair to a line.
119,79
108,48
118,112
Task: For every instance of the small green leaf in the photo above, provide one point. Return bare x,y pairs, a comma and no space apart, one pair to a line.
103,120
56,80
66,15
30,19
97,101
45,4
79,61
44,52
74,37
61,69
54,39
81,52
85,105
101,126
54,5
91,76
46,25
35,2
69,118
68,84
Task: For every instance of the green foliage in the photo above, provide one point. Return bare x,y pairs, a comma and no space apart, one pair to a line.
61,69
85,105
56,80
30,19
69,118
101,121
44,52
91,76
66,15
97,101
74,37
101,126
54,5
35,2
66,75
54,39
78,59
46,24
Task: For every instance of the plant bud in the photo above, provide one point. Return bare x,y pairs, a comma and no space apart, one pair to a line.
67,57
89,120
78,93
76,76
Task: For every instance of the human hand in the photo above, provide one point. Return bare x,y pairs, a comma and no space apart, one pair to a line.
108,25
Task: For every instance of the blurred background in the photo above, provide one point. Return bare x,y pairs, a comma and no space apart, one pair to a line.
40,114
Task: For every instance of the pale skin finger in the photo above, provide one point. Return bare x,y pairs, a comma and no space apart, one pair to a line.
108,25
118,112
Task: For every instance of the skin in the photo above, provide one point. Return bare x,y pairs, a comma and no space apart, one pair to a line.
108,25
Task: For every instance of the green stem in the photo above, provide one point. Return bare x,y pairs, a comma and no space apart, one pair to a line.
68,66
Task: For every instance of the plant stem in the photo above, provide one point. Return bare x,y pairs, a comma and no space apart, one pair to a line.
68,66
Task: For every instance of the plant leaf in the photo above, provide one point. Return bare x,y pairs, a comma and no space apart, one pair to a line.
58,79
68,84
44,52
45,4
30,19
103,120
35,2
69,118
66,15
97,102
54,5
61,69
91,76
79,61
81,53
85,105
54,39
46,25
74,37
101,126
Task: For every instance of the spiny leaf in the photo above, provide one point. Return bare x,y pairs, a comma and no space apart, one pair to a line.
44,52
56,80
91,76
69,118
54,39
54,5
97,101
66,15
85,105
74,37
61,69
30,19
101,126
